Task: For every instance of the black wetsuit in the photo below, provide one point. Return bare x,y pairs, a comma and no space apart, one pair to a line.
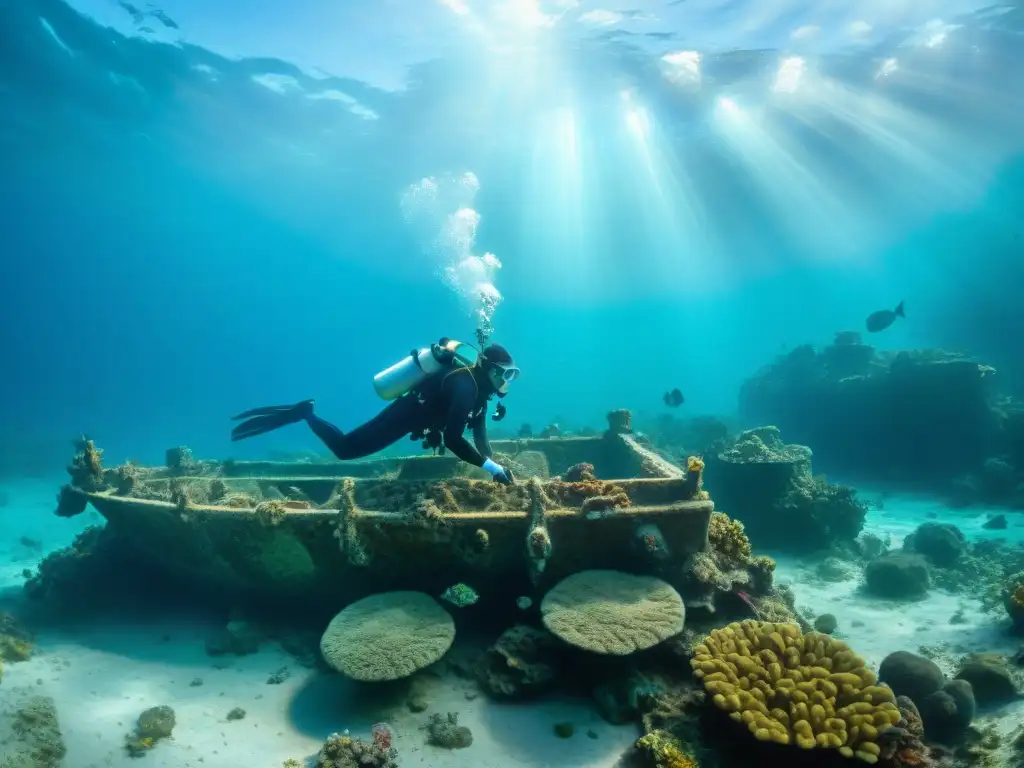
445,403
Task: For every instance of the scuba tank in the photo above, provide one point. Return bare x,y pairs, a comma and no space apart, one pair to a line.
409,372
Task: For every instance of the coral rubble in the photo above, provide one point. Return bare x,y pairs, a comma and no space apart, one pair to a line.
341,750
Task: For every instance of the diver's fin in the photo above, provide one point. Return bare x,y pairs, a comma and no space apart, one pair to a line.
899,310
260,420
267,410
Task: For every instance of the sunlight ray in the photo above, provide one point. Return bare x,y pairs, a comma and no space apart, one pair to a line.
811,206
554,217
670,200
901,137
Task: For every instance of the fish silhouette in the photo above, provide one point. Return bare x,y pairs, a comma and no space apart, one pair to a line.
883,318
674,398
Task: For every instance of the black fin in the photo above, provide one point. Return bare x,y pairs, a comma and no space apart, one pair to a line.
261,420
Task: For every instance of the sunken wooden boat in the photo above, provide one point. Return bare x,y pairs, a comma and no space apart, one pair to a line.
317,528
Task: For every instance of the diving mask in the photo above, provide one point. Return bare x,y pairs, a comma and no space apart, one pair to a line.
509,373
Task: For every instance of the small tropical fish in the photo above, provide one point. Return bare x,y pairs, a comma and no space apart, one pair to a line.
674,398
883,318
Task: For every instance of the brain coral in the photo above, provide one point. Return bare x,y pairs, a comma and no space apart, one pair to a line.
787,687
611,612
387,636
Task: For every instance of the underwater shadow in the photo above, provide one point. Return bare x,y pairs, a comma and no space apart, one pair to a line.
330,703
525,731
155,634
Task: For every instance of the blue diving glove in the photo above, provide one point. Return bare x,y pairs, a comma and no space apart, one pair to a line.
498,473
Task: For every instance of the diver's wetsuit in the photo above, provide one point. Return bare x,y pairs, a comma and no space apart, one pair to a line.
445,402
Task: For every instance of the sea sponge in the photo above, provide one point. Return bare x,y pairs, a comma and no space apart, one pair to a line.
788,687
387,636
613,613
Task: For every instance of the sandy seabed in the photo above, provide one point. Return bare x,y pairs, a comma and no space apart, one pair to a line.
102,676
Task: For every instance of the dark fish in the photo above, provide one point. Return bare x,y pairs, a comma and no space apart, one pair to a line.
883,318
674,398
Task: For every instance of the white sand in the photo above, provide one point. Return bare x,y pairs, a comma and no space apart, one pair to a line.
102,677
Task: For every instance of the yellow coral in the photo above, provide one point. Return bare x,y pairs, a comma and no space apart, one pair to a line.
727,536
695,464
787,687
14,649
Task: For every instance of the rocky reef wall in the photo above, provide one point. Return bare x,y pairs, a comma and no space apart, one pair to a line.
910,418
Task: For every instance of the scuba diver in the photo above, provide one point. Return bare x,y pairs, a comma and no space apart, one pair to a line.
437,391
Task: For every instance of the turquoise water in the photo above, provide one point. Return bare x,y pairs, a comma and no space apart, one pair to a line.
204,211
211,205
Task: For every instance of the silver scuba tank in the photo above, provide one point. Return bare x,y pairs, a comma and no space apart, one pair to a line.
411,370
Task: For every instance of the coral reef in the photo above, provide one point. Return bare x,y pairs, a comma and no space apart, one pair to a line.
718,574
445,731
940,556
898,575
790,688
35,739
941,543
763,445
1014,601
903,744
460,595
387,636
768,485
343,751
153,725
994,680
915,417
16,642
662,750
522,663
727,537
615,613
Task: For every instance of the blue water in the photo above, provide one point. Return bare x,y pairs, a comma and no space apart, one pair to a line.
202,218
